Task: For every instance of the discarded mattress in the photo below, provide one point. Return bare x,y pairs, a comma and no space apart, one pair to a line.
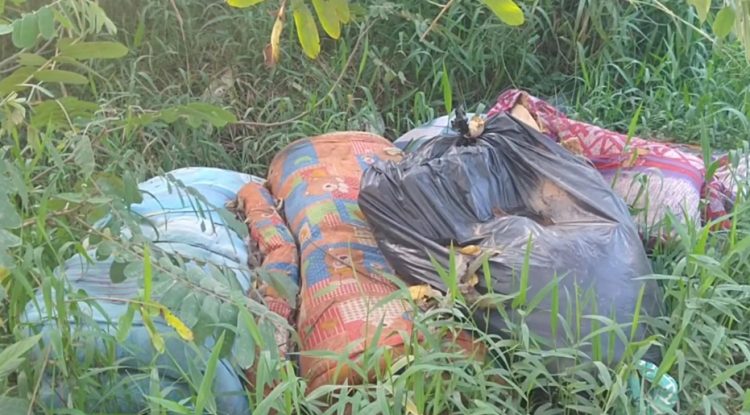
510,190
654,178
319,240
184,224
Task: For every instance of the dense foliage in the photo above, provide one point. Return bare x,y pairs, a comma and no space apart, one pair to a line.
96,96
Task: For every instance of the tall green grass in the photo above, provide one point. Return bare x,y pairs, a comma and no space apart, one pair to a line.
599,61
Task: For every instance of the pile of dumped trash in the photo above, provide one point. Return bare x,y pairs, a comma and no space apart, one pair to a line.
522,191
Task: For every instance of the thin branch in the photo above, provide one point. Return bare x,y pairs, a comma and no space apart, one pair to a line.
435,20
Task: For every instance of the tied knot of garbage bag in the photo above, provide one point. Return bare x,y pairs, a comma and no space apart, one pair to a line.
551,229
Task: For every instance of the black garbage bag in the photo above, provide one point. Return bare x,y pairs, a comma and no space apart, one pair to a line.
512,196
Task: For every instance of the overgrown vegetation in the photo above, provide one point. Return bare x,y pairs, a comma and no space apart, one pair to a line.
74,146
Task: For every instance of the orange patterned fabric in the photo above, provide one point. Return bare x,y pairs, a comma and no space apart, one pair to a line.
343,304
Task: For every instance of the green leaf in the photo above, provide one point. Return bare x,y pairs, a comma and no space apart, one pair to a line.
5,28
55,113
210,308
247,333
728,373
190,310
171,406
147,274
125,323
140,31
724,22
507,11
307,31
174,296
9,218
156,339
92,50
31,59
342,10
64,77
447,91
14,406
241,4
117,272
83,156
702,7
8,239
204,391
14,81
25,31
217,116
12,356
328,17
46,21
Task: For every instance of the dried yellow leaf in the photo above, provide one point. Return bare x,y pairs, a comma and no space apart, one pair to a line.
420,292
181,328
470,250
272,51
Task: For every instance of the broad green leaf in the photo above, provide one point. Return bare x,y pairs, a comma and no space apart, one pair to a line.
342,10
217,116
507,11
125,323
55,113
174,296
5,28
117,272
204,391
210,308
131,194
14,406
190,309
243,3
247,333
46,21
9,218
6,261
92,50
15,81
328,17
83,156
307,31
31,59
57,75
12,356
133,271
724,22
8,239
702,7
25,31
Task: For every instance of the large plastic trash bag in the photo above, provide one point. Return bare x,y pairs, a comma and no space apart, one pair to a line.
495,196
181,212
656,179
